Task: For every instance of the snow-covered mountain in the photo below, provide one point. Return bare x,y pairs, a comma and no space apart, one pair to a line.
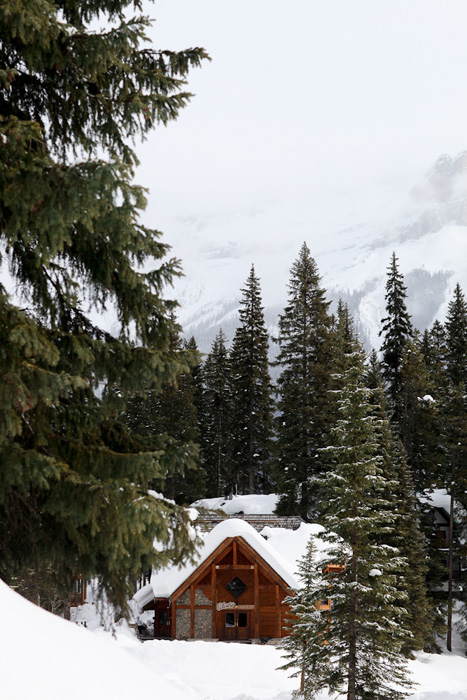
426,227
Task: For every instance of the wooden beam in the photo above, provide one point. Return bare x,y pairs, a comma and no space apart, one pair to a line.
256,627
192,612
173,619
278,613
214,602
231,567
235,553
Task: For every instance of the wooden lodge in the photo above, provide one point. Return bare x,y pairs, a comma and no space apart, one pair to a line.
235,592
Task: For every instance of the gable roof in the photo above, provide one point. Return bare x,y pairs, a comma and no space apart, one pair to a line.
169,579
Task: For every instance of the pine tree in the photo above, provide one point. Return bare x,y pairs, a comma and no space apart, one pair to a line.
304,406
420,617
73,482
304,645
252,403
396,330
420,420
168,415
343,338
456,424
216,418
366,621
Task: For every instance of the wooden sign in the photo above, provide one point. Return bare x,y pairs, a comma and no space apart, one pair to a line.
233,606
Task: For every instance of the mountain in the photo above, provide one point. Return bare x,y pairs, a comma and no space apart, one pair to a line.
427,228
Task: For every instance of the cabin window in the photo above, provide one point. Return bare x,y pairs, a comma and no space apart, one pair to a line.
236,587
239,619
242,619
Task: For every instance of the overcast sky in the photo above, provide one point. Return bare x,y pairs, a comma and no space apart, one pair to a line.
318,112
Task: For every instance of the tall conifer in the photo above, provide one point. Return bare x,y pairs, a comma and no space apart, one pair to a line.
304,361
456,425
216,419
420,617
366,622
252,402
305,645
396,330
73,483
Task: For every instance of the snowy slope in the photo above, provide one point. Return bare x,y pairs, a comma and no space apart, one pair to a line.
46,658
352,245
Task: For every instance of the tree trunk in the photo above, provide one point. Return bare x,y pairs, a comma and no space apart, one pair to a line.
450,558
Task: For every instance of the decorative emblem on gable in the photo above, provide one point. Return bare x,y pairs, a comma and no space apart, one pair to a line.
236,587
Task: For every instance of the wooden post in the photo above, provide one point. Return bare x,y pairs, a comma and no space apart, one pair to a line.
450,570
256,626
174,621
214,601
234,553
278,613
192,611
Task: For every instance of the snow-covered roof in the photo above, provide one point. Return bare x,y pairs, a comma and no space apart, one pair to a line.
439,498
251,504
166,581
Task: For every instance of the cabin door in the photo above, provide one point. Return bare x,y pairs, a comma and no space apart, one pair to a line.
236,625
162,621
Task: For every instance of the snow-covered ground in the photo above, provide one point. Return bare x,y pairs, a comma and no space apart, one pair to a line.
46,658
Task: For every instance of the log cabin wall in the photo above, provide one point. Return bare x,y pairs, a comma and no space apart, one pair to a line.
233,596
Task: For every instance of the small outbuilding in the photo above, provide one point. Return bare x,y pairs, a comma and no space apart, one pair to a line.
234,592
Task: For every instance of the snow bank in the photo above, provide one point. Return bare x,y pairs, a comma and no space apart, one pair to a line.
223,671
46,658
249,505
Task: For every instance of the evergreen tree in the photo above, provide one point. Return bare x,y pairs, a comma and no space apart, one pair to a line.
456,338
434,351
168,414
420,615
396,330
304,406
304,645
252,403
216,417
196,377
456,425
366,629
343,338
420,421
73,483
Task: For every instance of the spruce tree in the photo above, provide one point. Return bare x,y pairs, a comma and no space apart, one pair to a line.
396,330
366,630
420,420
343,337
216,419
304,360
252,402
168,416
420,617
456,425
304,646
73,482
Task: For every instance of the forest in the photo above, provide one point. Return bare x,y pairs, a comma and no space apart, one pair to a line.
256,435
106,436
